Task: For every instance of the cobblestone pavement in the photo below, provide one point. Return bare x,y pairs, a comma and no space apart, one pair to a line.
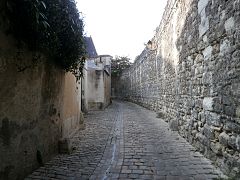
127,141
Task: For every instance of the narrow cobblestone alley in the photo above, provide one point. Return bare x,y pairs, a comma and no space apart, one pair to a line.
127,141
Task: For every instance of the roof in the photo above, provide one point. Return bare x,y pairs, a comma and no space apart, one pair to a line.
105,55
90,48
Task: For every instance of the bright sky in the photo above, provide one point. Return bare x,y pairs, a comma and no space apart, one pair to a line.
121,27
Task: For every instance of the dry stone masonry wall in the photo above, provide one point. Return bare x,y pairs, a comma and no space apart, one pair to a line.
190,74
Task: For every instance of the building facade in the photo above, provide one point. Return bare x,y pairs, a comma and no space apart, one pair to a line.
96,83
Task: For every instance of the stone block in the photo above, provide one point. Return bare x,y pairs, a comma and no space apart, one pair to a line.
236,54
194,133
208,103
210,154
207,53
200,124
216,134
207,78
201,117
202,5
232,142
238,142
226,100
198,70
195,114
232,127
216,129
64,146
160,114
202,139
208,132
223,139
229,24
213,119
229,110
224,47
173,124
195,125
217,106
216,148
199,58
198,102
200,147
82,124
236,85
238,112
237,120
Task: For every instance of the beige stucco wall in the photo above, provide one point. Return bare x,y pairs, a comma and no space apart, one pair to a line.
97,84
71,105
38,106
95,90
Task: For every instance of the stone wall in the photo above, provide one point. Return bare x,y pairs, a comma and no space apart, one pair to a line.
190,74
39,105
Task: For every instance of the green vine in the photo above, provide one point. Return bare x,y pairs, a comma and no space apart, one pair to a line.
53,27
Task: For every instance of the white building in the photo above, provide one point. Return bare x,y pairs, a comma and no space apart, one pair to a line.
96,83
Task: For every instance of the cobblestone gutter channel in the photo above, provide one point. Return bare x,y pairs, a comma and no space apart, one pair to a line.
113,155
127,141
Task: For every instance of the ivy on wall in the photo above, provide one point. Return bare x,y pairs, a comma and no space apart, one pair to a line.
53,27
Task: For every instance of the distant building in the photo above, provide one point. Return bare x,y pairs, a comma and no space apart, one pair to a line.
96,83
90,47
